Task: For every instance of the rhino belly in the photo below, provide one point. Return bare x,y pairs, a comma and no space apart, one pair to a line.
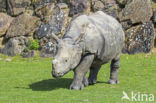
111,47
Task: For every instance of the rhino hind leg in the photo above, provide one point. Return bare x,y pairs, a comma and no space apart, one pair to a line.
79,80
93,74
115,63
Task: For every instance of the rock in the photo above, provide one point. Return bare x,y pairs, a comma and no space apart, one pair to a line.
59,19
155,42
137,11
111,8
97,5
8,60
23,25
43,31
154,17
2,5
45,11
155,39
154,12
48,50
28,54
16,7
108,6
1,42
63,1
139,38
15,45
41,3
79,6
5,22
0,59
123,2
56,25
44,40
126,24
57,22
30,12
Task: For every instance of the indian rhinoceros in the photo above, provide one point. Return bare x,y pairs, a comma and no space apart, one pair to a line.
89,42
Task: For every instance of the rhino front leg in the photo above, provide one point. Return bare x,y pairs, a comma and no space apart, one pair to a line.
85,81
80,72
115,63
93,74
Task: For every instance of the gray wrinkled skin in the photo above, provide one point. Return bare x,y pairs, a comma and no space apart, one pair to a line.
89,42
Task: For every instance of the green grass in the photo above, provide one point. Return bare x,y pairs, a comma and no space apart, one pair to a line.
30,81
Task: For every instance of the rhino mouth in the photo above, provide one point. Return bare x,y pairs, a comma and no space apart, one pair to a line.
58,75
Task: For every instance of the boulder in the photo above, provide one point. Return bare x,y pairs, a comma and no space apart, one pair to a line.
1,42
15,45
45,40
97,5
127,24
59,18
16,7
64,1
79,6
57,22
2,5
43,31
155,42
154,16
28,54
137,11
155,39
5,22
45,11
23,25
154,12
111,8
123,2
41,3
139,39
108,6
48,50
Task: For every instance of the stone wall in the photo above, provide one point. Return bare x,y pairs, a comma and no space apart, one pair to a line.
23,20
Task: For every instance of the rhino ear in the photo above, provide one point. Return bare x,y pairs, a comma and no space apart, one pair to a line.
82,34
79,38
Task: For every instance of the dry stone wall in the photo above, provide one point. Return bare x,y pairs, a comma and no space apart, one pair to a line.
24,20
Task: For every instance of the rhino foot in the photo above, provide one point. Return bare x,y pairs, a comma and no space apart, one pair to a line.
77,86
91,81
85,81
111,81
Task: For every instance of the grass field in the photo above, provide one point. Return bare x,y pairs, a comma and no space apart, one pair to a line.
30,81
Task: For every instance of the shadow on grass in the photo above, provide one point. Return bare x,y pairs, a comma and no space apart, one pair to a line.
51,84
102,82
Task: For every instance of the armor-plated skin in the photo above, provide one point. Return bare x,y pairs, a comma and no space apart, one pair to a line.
98,39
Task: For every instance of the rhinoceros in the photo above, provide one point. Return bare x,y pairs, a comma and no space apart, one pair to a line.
89,42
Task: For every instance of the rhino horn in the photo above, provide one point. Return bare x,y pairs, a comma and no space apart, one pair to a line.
55,37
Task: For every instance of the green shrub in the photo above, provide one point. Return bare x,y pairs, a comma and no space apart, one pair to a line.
34,44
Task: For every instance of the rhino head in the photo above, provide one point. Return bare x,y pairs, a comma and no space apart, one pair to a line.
67,57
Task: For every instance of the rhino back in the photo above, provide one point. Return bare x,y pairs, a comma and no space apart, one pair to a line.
104,35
